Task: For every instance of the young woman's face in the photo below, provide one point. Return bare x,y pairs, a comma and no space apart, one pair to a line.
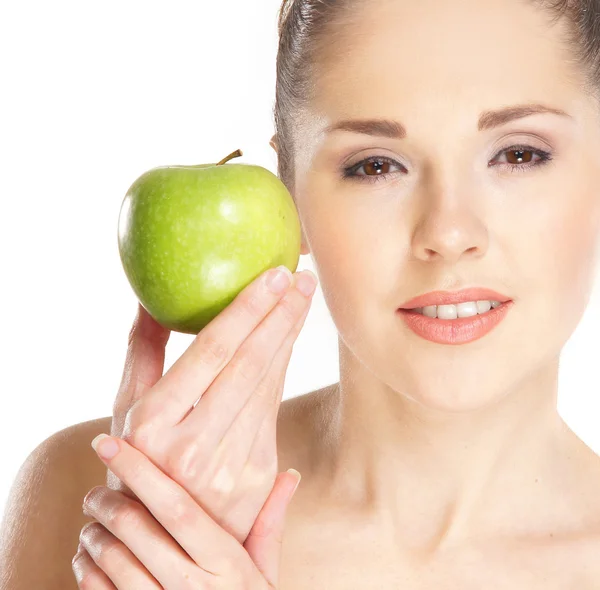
454,208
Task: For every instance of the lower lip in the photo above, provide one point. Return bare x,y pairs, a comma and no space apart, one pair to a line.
458,331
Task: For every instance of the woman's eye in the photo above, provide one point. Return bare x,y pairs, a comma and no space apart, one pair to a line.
519,158
375,168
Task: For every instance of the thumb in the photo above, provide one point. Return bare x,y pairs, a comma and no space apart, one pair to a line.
263,543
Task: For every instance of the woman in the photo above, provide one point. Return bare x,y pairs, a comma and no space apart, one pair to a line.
429,146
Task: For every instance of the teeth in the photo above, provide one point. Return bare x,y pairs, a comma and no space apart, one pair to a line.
460,310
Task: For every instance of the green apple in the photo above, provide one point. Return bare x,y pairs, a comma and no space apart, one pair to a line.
192,237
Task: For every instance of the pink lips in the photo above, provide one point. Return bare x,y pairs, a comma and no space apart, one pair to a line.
458,331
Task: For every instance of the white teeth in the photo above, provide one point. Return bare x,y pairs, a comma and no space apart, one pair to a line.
460,310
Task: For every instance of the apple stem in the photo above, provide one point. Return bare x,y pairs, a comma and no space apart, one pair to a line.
235,154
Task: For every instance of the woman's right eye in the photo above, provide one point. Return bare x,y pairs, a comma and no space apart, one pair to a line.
376,168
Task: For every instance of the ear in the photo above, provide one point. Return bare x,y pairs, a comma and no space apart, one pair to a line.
273,142
304,249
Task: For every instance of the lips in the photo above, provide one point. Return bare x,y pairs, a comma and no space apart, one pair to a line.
458,331
454,297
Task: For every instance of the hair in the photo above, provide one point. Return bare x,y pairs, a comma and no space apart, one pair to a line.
305,37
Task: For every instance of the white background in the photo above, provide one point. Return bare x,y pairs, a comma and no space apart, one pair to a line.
93,95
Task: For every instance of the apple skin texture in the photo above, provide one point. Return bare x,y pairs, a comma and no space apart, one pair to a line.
192,237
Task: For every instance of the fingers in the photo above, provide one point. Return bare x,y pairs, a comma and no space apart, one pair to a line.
108,564
266,536
88,575
145,359
208,545
144,365
244,464
255,424
126,541
210,352
239,380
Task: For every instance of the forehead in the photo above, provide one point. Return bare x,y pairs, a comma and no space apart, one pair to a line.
435,59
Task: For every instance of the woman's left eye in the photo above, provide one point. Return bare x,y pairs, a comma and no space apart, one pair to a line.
518,158
517,154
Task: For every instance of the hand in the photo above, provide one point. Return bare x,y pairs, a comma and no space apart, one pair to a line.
223,450
236,366
169,542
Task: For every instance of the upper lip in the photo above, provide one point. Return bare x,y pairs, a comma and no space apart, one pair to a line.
448,297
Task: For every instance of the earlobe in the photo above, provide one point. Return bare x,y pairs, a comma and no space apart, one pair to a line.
304,249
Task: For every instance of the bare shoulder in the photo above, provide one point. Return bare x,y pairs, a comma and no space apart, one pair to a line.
43,514
299,427
582,500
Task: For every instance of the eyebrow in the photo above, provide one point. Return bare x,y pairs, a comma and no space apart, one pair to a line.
487,120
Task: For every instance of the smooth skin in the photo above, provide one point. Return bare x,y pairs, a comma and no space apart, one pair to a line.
431,466
450,465
220,454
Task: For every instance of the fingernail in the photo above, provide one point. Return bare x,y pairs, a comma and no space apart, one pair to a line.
279,279
106,449
306,282
298,476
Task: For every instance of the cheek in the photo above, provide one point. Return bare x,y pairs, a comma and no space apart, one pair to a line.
562,253
353,258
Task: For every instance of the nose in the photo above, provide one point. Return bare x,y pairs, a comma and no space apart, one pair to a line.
449,232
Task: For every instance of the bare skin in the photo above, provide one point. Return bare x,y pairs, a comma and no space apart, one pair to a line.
434,466
336,540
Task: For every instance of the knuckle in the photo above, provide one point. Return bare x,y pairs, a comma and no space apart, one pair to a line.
137,426
127,516
135,416
111,552
112,557
246,366
137,437
212,351
289,310
182,463
268,385
180,512
173,465
254,304
91,531
114,483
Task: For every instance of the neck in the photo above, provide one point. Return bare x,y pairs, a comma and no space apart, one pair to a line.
436,477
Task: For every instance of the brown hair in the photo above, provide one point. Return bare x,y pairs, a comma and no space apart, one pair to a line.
306,26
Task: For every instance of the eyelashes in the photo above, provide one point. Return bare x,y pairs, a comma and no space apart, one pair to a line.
380,161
